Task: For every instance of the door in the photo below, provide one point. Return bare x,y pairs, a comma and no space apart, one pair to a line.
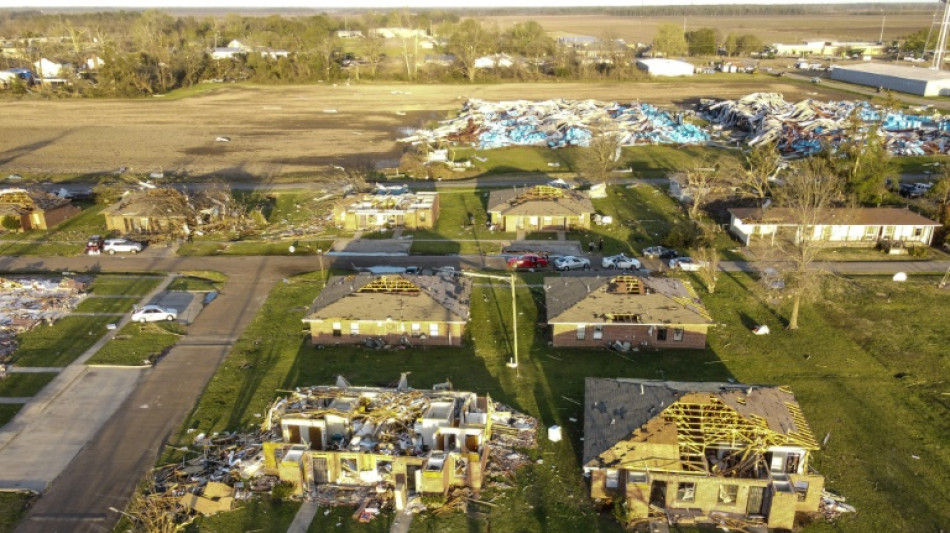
658,494
756,503
320,470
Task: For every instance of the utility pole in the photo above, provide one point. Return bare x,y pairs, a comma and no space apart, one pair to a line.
883,18
942,40
513,363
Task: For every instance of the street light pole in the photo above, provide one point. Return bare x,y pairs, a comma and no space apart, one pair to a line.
513,363
323,275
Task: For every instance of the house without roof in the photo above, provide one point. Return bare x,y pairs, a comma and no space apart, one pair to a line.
595,311
700,450
388,207
35,209
540,208
394,309
837,227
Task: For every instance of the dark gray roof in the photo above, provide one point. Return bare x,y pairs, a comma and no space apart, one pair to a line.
521,202
615,407
440,299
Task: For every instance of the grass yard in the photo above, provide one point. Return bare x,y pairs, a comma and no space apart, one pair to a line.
93,304
254,247
129,286
68,238
462,226
873,254
198,281
7,412
24,384
13,505
138,344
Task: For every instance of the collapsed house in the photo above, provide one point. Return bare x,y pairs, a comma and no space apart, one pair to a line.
33,209
167,211
559,123
26,302
863,226
539,208
390,310
387,208
695,453
625,311
400,441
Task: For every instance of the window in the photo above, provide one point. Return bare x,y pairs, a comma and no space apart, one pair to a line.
598,332
801,490
870,233
416,329
337,329
612,480
433,330
581,332
661,334
678,334
728,494
686,492
918,232
354,328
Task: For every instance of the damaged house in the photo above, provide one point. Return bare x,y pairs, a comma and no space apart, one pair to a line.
401,441
386,208
33,209
539,208
865,226
391,310
699,453
168,211
625,311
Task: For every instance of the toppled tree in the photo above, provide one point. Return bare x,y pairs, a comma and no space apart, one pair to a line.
703,180
808,195
601,157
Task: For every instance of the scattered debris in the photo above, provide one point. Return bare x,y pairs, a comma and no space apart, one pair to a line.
222,139
761,329
26,302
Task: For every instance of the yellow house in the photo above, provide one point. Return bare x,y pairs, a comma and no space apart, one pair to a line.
388,208
35,209
390,309
540,208
699,451
594,311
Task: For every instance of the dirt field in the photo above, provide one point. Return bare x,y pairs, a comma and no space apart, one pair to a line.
280,130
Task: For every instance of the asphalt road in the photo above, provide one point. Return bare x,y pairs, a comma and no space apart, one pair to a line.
105,473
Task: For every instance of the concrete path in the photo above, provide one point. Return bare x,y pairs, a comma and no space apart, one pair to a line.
15,399
401,522
303,518
34,369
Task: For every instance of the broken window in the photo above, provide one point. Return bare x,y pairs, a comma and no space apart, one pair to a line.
661,334
791,463
354,328
598,332
581,332
433,330
678,334
686,492
728,494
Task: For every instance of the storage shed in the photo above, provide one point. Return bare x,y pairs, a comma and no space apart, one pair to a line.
911,80
665,67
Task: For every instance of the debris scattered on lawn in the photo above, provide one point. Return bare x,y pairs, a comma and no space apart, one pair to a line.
26,302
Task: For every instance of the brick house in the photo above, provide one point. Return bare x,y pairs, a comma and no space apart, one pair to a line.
35,209
700,451
397,310
540,208
388,208
594,311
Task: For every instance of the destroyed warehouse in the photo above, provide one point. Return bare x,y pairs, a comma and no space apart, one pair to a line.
625,311
400,440
31,209
867,226
699,452
387,208
390,310
539,208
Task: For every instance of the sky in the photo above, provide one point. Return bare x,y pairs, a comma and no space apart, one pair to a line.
386,4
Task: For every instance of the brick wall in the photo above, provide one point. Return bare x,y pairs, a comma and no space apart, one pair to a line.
393,333
565,335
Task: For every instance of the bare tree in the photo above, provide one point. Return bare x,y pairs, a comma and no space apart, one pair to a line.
761,166
410,44
708,258
702,181
807,198
598,159
373,46
468,42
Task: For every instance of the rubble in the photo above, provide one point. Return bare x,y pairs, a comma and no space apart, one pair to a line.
26,302
560,123
802,128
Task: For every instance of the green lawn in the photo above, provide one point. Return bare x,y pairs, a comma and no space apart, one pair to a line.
198,281
137,343
68,238
13,505
7,412
255,247
462,226
642,216
107,305
133,285
24,384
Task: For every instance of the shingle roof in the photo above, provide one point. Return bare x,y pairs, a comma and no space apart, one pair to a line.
168,203
41,199
619,409
589,299
523,202
861,216
439,299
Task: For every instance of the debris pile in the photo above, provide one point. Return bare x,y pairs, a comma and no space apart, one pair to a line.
802,128
560,123
26,302
832,505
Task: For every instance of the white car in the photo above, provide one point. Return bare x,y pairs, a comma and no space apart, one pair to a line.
570,262
687,264
621,262
122,246
154,313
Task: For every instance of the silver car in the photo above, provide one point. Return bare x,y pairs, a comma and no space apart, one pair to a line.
122,246
154,313
570,262
621,262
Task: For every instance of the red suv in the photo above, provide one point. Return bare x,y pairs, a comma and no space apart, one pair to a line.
529,261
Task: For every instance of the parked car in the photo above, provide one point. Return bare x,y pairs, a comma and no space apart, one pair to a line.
94,245
911,190
686,263
154,313
570,262
528,261
621,262
122,246
661,252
